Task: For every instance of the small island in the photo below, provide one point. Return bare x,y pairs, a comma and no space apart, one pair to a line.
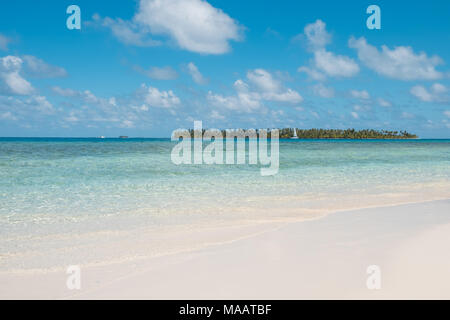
288,133
344,134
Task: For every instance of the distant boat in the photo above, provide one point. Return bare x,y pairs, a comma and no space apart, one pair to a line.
101,137
295,134
123,137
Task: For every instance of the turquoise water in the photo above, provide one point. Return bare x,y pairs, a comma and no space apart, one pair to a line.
57,186
104,176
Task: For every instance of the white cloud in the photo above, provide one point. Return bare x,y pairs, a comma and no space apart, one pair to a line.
126,111
30,107
126,32
39,68
227,102
322,91
42,104
87,97
363,94
438,88
246,99
84,108
398,63
64,92
270,88
216,115
13,82
290,96
354,115
447,113
264,87
159,73
195,73
335,65
243,101
241,86
4,41
437,93
126,124
325,63
194,25
312,73
7,116
263,80
21,107
421,93
112,101
156,98
249,100
317,35
384,103
407,115
358,107
315,114
72,117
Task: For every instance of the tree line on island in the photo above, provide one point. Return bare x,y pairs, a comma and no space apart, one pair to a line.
288,133
345,134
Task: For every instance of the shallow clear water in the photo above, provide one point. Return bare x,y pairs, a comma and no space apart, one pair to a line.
57,186
76,177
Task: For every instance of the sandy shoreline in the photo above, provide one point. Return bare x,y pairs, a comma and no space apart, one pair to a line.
321,258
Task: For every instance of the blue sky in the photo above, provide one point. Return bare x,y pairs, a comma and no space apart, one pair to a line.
144,68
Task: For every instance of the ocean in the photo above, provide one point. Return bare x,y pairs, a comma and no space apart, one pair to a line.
58,194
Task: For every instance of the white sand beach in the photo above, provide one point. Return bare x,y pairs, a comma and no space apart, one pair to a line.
321,258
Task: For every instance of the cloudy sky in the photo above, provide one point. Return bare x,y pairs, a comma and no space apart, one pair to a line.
144,68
